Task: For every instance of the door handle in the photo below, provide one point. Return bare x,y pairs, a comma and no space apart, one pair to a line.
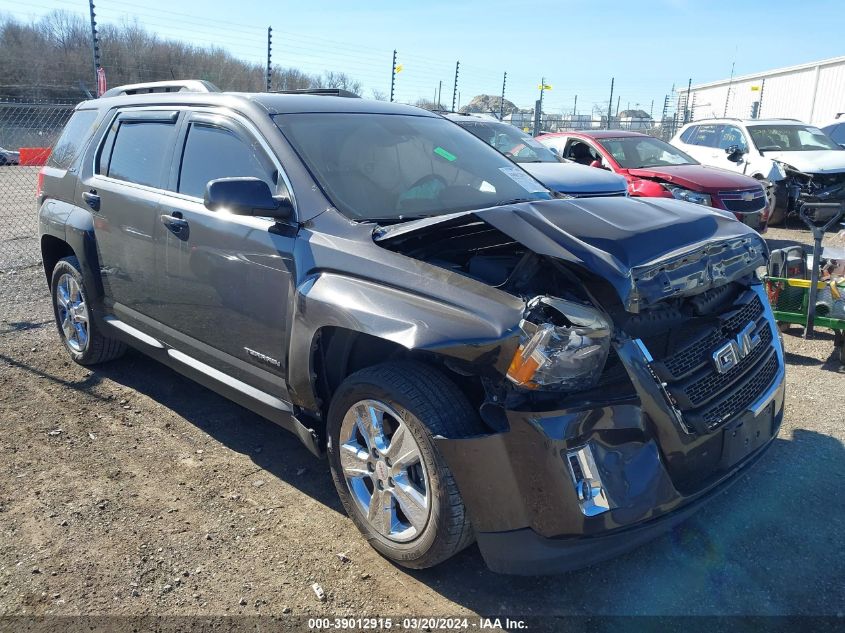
92,199
176,225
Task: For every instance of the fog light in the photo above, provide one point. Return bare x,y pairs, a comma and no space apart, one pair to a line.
588,485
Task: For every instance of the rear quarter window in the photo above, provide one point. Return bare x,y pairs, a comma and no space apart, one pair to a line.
686,137
76,134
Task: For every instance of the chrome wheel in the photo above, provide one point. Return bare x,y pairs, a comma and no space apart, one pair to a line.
73,313
384,470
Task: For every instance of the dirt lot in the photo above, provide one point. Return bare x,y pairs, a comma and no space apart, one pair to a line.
130,490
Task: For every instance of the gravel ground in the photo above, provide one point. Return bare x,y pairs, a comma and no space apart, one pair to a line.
130,490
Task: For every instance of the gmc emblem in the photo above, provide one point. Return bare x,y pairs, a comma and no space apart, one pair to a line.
728,355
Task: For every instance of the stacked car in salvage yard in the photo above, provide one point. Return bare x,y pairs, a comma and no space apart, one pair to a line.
417,308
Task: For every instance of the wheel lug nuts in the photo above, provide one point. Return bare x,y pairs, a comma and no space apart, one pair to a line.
375,453
380,485
370,467
390,482
387,461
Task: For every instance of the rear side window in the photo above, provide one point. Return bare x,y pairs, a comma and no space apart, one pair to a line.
76,133
837,133
688,134
213,152
706,135
140,152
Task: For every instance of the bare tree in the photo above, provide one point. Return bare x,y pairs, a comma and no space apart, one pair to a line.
51,59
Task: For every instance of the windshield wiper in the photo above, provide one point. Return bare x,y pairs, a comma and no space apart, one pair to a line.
505,203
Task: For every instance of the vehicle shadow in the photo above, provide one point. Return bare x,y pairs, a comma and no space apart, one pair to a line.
753,550
270,448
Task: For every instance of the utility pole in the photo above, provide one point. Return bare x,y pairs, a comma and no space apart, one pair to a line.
687,109
575,107
502,104
439,90
618,99
610,103
455,87
651,111
728,95
95,43
269,58
760,101
393,76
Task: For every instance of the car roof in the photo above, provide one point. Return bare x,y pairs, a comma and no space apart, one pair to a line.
269,102
598,133
748,121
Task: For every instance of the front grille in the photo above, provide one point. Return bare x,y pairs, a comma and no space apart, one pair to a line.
693,355
703,389
744,395
733,200
705,397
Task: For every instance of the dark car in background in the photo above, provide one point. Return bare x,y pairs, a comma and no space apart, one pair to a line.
654,168
557,174
9,157
560,380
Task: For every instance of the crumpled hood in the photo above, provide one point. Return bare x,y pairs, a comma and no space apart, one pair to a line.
828,161
576,180
698,177
648,249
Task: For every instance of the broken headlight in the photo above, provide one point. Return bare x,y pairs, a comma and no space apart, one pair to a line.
564,346
688,195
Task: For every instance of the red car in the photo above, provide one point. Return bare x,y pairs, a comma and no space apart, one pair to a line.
653,168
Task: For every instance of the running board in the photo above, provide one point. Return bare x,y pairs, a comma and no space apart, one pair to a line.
256,394
133,332
264,404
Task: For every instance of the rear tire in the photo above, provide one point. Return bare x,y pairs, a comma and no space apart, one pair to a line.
417,520
79,332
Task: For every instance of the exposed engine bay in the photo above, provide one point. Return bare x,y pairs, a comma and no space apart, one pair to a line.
805,187
574,319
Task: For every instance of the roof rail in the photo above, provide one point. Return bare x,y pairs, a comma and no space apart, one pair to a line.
326,92
188,85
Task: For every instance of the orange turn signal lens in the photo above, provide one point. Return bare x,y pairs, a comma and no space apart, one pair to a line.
522,368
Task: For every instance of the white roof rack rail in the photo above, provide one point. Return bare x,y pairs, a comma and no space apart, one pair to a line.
189,85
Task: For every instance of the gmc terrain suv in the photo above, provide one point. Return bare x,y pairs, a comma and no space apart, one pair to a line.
558,379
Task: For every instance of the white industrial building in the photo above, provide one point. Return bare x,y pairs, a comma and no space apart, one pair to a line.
813,93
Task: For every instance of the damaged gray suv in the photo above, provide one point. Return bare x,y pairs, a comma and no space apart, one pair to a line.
559,380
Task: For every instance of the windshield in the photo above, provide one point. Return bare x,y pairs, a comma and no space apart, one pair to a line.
790,138
637,152
511,141
396,167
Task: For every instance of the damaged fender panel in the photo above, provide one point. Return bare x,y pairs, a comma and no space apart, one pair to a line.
411,320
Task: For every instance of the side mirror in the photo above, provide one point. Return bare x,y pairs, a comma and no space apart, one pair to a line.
735,153
245,196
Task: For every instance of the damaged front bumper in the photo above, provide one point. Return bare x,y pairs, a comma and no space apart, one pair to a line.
563,489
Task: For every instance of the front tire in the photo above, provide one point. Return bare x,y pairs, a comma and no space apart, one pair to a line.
388,473
80,335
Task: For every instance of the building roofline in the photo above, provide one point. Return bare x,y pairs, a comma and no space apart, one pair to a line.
768,73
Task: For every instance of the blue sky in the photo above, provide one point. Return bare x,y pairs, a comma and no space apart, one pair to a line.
647,45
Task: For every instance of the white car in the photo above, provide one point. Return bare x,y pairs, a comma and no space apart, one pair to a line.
800,159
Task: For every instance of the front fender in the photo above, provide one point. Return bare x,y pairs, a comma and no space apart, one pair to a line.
400,316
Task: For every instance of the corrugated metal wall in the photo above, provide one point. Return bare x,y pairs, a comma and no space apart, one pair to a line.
814,95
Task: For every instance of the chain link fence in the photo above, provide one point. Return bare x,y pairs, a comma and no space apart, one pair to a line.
27,133
663,129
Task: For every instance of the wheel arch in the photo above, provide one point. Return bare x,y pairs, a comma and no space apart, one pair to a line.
367,322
